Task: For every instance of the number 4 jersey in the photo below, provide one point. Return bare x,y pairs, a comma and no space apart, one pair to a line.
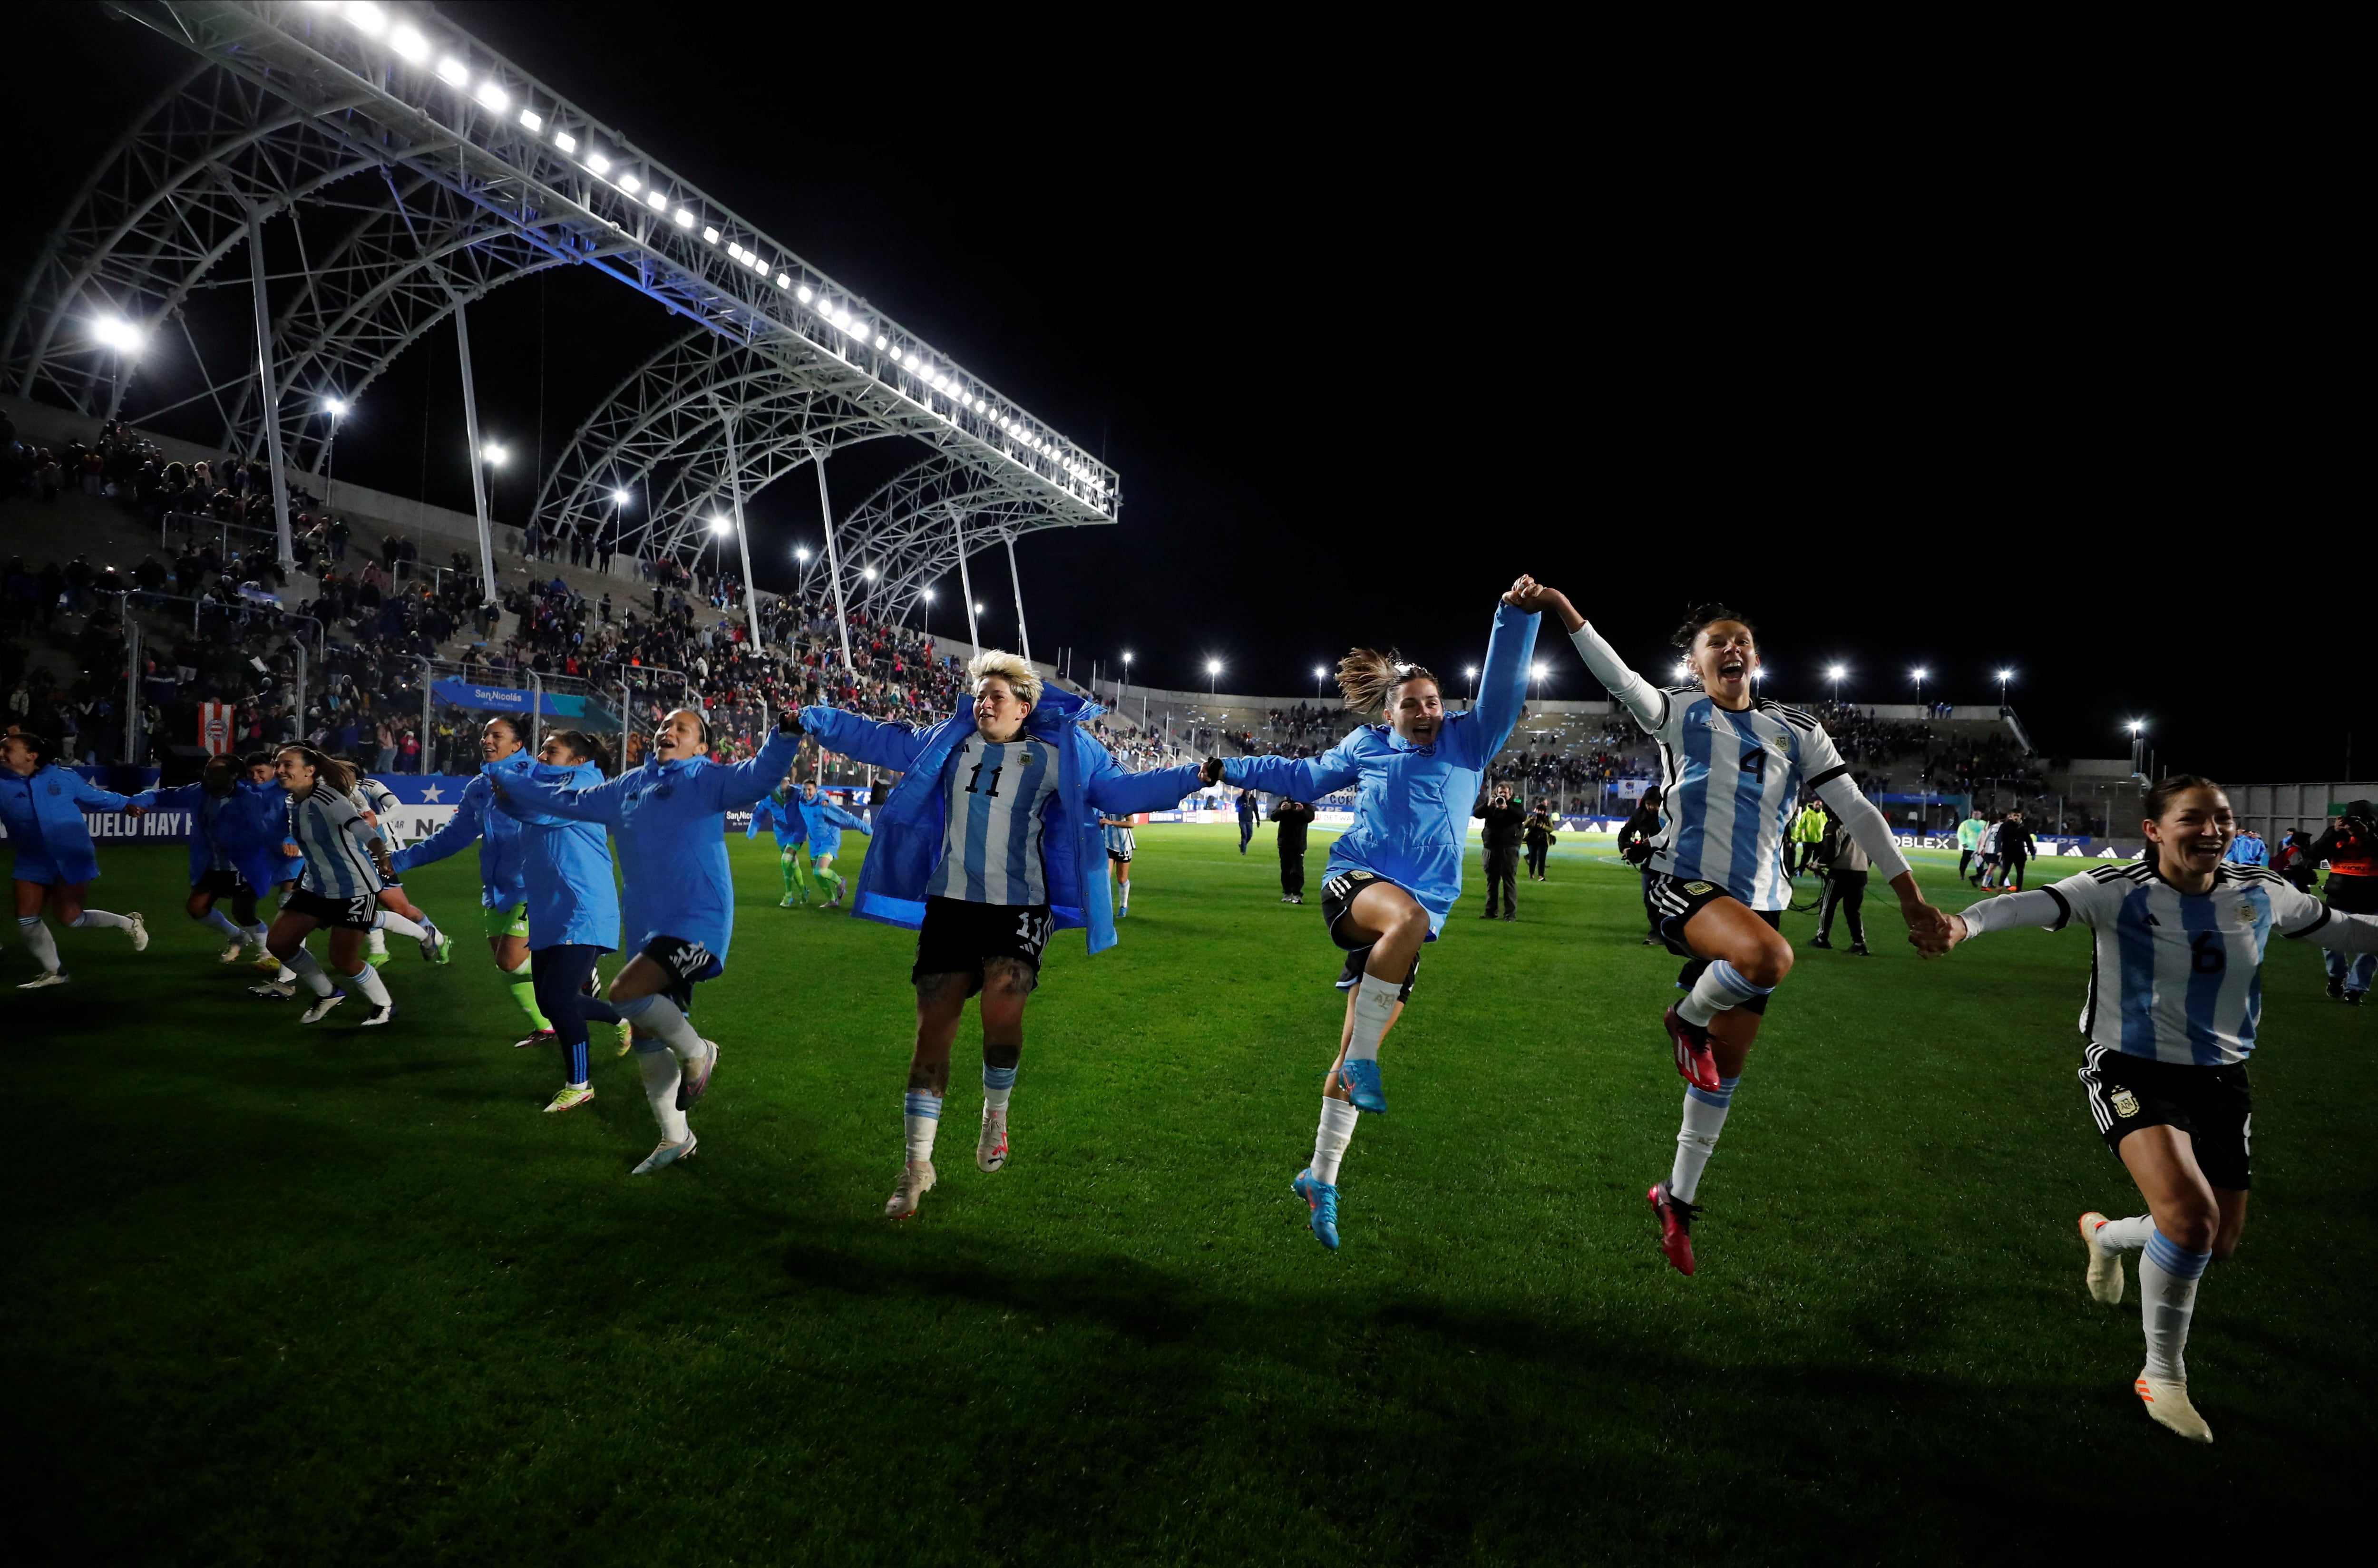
2177,977
992,853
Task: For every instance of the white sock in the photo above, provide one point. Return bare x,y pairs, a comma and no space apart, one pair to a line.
376,940
1704,1118
38,940
301,966
91,919
1374,1007
661,1074
220,922
368,979
2167,1277
1720,987
390,921
258,932
285,975
921,1115
659,1017
2126,1235
1338,1118
998,1082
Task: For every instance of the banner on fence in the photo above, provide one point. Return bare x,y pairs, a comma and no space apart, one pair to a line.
507,700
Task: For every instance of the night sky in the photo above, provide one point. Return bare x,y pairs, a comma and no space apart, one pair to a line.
1910,371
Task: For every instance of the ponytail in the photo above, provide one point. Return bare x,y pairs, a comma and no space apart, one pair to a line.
327,770
591,748
1369,677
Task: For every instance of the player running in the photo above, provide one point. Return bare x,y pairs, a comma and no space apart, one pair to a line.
346,866
825,821
1734,765
987,843
573,906
233,840
41,803
2174,996
669,816
398,914
779,812
1393,877
504,889
1122,844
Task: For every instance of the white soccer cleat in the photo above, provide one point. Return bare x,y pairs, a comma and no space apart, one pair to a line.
49,977
2105,1274
916,1180
668,1153
321,1008
991,1149
379,1015
274,990
2168,1403
140,932
232,953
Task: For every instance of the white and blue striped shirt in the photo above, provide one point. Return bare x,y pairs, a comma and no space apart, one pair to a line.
331,834
2176,977
990,851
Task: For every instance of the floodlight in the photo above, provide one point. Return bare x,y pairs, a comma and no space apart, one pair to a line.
2134,725
630,184
867,572
927,594
335,407
981,610
599,163
620,498
369,18
1683,670
117,333
711,236
1318,671
2005,676
685,219
803,295
492,454
883,342
785,280
1834,672
532,119
492,95
1537,672
565,141
801,553
1213,666
656,201
453,71
409,45
1918,673
719,525
1469,671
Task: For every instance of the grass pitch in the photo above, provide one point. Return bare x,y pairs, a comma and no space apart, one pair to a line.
281,1295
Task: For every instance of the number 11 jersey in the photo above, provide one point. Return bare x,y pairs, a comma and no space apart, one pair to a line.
990,852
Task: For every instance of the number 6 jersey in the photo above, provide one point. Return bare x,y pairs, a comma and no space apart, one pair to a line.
991,854
2177,977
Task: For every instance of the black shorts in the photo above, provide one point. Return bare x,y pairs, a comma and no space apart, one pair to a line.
685,962
958,938
1672,900
1338,896
356,914
2215,1106
222,884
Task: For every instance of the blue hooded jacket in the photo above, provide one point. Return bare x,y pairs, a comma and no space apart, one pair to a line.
567,865
245,830
911,825
502,881
1412,822
782,817
670,821
826,821
43,815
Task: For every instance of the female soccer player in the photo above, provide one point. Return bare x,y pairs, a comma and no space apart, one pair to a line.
41,805
232,847
1393,876
779,812
2174,1000
398,914
1122,844
346,865
1735,765
825,821
503,891
573,908
989,841
669,816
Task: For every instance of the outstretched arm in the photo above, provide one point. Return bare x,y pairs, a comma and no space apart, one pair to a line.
97,799
519,796
1863,822
1646,701
461,832
841,818
2300,916
741,783
883,744
1298,778
1111,790
1503,681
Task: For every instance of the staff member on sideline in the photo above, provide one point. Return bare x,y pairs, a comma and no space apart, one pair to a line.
1969,840
1635,836
2351,850
1540,836
1292,817
1249,813
1847,864
1503,818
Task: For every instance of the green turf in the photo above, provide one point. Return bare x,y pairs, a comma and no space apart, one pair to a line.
279,1295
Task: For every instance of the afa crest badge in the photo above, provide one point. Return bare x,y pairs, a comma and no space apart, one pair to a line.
2125,1103
1697,888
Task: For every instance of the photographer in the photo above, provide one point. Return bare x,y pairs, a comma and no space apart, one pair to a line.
1505,819
1291,817
2351,850
1540,837
1635,836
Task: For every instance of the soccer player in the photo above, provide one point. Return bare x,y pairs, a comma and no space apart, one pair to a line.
2175,997
825,821
41,806
987,843
573,906
1394,875
503,887
1122,844
398,914
1969,840
233,844
346,865
1734,764
1986,868
670,819
779,812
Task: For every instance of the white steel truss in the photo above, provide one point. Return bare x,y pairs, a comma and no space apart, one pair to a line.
419,170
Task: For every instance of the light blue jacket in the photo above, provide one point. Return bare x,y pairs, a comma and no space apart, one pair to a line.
670,821
43,815
567,866
503,879
910,825
2246,851
1411,822
247,832
826,821
274,801
781,814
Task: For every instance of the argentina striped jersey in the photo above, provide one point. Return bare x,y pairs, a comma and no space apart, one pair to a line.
990,851
331,834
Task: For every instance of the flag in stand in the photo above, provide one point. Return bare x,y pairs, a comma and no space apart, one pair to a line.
214,727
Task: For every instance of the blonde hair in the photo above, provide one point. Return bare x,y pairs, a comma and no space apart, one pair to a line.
1368,678
1020,676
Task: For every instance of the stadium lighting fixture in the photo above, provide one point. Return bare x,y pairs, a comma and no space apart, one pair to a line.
2134,725
410,46
1683,670
599,163
620,498
867,572
656,201
719,525
926,594
117,333
803,295
801,554
565,141
711,235
883,342
1917,675
492,95
1538,671
684,219
492,454
1213,676
785,280
630,184
983,609
2004,676
1834,673
532,119
452,71
367,17
335,407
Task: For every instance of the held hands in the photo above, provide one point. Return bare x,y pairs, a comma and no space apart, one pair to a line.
1212,772
790,721
289,849
1535,598
1929,932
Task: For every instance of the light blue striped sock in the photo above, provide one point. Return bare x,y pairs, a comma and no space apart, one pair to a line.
1720,987
998,1082
2167,1277
924,1120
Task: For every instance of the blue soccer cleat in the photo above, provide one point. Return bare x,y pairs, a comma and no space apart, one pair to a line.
1322,1199
1363,1087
